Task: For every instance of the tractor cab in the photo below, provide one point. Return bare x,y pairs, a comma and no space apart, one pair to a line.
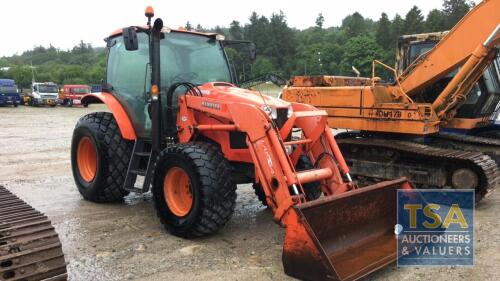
198,58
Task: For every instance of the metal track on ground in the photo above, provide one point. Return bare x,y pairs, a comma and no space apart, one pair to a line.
487,168
469,139
29,246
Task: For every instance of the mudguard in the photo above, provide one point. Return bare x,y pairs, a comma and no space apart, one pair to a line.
124,123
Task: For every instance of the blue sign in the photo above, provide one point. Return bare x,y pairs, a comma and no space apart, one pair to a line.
435,227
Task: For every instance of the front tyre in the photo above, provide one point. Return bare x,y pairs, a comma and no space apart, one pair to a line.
100,158
193,192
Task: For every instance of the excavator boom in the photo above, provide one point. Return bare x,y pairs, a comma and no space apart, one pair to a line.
454,49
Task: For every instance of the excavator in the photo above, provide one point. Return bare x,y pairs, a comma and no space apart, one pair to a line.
393,132
477,116
179,127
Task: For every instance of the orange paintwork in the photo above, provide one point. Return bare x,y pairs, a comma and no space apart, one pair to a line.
468,124
367,108
86,156
149,12
224,108
177,191
124,123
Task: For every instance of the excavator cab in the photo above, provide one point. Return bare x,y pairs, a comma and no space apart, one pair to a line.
478,112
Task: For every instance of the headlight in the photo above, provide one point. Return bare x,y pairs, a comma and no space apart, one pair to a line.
271,111
290,112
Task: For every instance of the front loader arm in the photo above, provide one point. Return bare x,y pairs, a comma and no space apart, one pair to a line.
274,168
344,235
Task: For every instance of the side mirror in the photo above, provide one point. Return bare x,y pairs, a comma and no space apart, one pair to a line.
130,39
253,51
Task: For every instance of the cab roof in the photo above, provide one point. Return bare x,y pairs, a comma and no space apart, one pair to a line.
167,30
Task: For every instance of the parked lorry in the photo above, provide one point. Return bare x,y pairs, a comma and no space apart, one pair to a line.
72,94
9,94
43,94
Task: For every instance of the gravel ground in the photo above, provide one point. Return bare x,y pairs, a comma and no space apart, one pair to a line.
126,242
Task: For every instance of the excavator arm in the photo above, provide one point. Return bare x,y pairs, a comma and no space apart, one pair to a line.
454,49
456,91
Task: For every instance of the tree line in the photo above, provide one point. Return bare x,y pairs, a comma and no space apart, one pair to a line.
280,48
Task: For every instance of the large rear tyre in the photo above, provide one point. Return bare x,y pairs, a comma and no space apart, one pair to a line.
312,190
193,192
100,158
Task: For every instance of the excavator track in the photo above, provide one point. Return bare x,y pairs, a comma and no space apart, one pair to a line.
427,166
29,246
488,146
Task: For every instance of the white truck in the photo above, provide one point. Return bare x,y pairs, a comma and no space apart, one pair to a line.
46,93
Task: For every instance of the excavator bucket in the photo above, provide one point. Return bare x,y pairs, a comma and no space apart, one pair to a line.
343,237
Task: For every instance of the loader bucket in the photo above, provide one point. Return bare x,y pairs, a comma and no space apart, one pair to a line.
343,237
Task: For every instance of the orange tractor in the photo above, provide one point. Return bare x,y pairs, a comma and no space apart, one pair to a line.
394,129
178,121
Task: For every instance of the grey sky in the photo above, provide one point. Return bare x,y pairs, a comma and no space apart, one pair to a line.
63,23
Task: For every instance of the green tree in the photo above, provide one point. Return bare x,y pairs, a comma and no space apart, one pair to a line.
320,20
257,31
22,75
360,52
235,31
397,26
282,43
354,25
454,10
262,66
188,26
436,21
383,33
414,21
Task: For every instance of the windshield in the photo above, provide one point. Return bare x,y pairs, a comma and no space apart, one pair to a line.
192,58
8,89
416,50
47,89
184,57
83,90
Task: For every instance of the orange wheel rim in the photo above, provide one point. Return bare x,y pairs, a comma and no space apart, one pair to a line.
177,191
86,156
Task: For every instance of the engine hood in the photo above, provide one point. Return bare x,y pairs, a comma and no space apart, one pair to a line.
229,92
